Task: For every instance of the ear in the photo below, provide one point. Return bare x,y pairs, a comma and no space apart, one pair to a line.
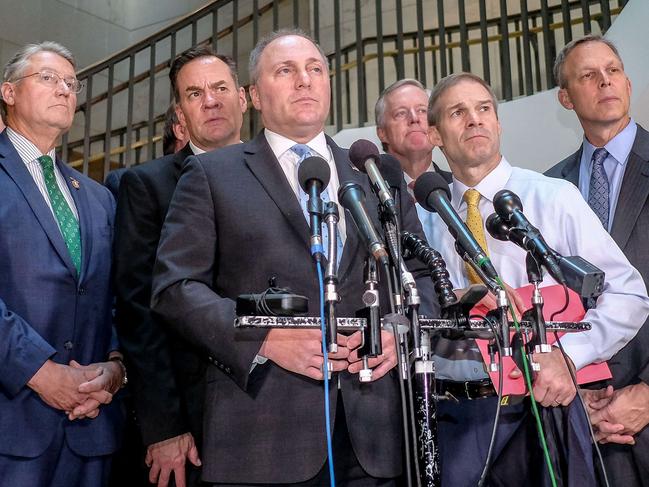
254,97
180,115
434,137
242,99
564,99
7,90
381,135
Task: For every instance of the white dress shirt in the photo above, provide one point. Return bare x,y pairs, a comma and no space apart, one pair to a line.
568,225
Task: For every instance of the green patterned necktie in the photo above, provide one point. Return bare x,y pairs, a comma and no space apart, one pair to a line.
67,222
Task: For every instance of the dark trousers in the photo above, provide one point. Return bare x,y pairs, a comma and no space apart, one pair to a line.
58,466
347,469
464,430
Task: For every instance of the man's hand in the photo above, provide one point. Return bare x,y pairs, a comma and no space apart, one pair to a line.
58,385
553,385
489,300
99,389
300,351
169,456
380,365
628,407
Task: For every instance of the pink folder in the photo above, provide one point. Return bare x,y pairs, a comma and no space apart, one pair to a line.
553,297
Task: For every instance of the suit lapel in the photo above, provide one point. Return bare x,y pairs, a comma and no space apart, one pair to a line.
570,171
15,168
261,161
634,191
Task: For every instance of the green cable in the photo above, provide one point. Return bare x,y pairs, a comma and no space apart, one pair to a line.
535,411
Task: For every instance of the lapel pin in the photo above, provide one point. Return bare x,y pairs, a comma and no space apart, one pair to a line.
75,183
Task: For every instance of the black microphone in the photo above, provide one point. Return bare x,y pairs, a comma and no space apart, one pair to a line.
313,176
365,157
581,276
432,193
509,208
352,197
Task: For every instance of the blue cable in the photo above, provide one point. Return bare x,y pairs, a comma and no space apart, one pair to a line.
325,373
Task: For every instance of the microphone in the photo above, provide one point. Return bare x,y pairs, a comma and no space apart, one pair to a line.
352,197
432,193
365,157
509,208
581,276
313,176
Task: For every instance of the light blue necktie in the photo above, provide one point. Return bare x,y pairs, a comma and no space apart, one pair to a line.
598,191
303,151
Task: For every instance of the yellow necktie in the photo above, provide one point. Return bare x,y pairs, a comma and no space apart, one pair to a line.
475,226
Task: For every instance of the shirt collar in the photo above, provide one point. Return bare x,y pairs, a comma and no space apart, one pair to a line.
488,187
280,144
408,179
619,147
27,151
195,149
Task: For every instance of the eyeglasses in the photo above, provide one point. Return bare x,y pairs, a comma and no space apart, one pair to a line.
52,79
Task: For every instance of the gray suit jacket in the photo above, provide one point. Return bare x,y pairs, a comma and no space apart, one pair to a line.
233,223
631,232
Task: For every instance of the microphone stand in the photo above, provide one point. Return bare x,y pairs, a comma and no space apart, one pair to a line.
332,298
371,343
401,325
502,302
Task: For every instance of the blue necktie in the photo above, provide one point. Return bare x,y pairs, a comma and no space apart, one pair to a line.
303,151
598,195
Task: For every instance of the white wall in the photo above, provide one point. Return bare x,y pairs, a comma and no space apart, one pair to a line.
537,131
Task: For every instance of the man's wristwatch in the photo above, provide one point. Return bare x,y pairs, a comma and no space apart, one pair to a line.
118,359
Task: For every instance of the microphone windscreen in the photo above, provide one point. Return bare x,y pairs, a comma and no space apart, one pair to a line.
426,184
313,168
497,227
360,151
506,202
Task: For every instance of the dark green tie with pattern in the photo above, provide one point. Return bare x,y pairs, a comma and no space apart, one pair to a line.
67,222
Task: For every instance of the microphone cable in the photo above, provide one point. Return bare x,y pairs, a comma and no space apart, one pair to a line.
580,399
535,409
325,374
494,429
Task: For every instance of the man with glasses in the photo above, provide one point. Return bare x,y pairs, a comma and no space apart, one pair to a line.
59,368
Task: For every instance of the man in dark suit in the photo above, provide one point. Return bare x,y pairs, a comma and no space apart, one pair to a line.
592,82
235,221
56,340
167,372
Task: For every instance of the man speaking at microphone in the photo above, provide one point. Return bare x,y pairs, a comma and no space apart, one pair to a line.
234,223
463,119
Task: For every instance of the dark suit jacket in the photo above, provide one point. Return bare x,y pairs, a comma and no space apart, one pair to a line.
630,231
165,372
113,179
46,312
234,222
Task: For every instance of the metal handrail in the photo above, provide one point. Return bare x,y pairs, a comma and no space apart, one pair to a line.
526,42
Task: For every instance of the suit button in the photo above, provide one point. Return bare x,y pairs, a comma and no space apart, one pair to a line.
82,291
68,345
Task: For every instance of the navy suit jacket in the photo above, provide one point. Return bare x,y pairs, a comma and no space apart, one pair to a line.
46,311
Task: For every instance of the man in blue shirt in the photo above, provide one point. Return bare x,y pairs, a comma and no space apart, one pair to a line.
611,170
